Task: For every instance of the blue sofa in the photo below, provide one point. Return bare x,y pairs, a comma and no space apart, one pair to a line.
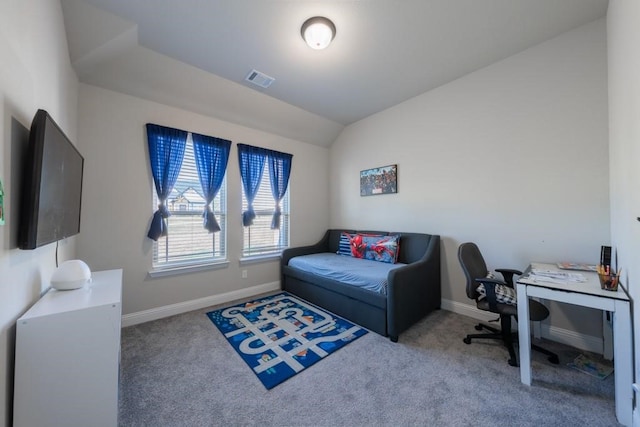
413,290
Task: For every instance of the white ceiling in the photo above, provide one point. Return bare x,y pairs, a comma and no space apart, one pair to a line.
195,54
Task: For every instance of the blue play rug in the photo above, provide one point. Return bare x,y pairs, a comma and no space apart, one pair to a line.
280,335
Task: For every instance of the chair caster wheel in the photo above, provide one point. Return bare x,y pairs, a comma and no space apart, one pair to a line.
467,340
478,327
554,359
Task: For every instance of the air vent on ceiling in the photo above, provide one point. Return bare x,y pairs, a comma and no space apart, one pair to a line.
259,79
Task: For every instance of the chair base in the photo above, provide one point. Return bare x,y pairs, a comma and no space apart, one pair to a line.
507,337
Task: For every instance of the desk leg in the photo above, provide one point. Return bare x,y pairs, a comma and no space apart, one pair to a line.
623,369
524,334
607,335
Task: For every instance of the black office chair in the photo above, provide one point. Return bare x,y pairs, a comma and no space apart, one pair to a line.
499,298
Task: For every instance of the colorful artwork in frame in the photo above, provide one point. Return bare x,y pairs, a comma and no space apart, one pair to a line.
382,180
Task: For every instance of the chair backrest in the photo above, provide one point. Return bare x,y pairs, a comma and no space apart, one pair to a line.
473,266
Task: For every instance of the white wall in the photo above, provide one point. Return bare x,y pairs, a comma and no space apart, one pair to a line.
35,73
623,37
513,157
117,198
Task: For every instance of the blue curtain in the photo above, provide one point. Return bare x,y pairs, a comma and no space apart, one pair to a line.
212,155
279,171
166,151
251,161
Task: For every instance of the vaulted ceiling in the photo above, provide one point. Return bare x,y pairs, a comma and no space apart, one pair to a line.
195,54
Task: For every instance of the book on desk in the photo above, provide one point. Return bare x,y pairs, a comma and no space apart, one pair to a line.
577,266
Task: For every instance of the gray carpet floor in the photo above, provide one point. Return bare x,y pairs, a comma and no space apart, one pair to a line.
180,371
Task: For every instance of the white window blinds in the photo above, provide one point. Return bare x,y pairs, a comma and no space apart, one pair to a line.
188,242
259,238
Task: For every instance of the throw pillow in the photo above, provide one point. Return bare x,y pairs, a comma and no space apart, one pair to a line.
382,248
344,247
504,294
375,247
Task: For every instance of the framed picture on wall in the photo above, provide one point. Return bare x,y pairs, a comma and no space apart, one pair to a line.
382,180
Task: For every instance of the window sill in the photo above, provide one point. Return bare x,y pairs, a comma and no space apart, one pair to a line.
186,269
255,259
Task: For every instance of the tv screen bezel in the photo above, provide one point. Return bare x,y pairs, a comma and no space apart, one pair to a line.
30,227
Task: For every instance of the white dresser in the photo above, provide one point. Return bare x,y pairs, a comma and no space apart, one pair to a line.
68,356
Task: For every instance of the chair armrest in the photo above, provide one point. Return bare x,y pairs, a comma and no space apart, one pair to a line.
490,291
508,274
493,282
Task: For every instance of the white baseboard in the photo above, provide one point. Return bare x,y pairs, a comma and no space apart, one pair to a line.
572,338
552,333
186,306
467,310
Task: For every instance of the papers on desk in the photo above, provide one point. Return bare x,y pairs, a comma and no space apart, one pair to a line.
555,276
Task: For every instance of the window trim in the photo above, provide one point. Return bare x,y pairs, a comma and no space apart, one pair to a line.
259,258
258,162
195,267
171,268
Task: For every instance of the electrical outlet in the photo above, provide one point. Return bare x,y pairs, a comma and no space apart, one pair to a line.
244,274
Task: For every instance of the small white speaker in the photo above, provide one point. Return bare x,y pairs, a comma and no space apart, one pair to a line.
72,274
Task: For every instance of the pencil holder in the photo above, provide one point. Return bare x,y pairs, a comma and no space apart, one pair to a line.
608,282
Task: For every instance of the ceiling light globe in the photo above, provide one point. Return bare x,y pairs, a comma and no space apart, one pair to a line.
318,32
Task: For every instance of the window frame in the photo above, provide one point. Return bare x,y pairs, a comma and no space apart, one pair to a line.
218,258
266,213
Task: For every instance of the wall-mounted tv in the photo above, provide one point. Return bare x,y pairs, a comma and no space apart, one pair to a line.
52,185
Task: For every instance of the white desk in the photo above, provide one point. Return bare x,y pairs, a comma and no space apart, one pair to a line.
586,294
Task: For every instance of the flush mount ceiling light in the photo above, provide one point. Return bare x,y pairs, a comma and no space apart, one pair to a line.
318,32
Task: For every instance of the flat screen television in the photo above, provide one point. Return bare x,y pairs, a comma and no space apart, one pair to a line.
52,185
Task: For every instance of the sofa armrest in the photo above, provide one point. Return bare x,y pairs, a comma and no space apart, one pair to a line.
414,290
289,253
321,246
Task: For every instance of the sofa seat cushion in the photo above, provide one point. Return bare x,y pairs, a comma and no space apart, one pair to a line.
311,280
361,273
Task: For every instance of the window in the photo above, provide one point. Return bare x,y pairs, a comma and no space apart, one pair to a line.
188,242
259,238
266,225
